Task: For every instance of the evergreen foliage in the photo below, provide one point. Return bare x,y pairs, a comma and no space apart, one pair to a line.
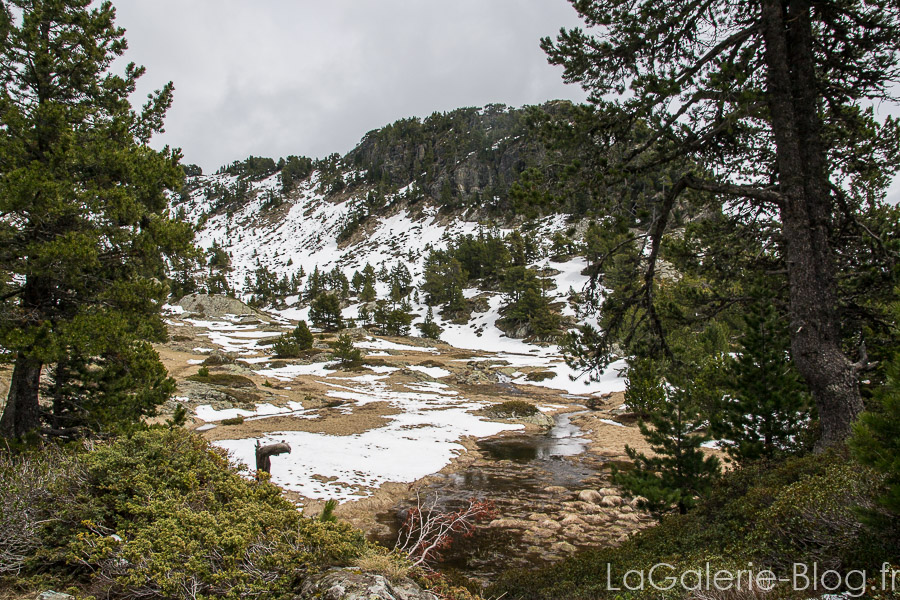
876,437
766,409
428,328
325,312
293,344
392,318
443,281
294,169
763,155
527,303
679,472
84,243
160,512
367,291
252,167
347,355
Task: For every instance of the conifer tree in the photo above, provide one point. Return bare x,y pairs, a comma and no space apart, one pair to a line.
429,328
348,355
314,285
325,312
84,233
367,294
764,108
303,336
679,471
767,407
876,436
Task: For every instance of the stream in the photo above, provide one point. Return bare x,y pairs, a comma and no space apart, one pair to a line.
524,476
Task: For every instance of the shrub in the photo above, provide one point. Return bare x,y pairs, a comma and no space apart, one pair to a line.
513,408
347,355
286,346
876,436
218,358
233,421
25,496
303,336
164,514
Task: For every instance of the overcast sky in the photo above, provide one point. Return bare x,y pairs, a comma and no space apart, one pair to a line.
310,77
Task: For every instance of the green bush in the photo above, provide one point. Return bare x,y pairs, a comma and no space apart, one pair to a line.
286,346
164,514
347,355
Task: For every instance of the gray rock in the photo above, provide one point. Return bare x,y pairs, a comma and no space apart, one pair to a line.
51,595
219,306
352,584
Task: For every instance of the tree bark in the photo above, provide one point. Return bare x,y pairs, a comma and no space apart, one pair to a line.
805,212
21,414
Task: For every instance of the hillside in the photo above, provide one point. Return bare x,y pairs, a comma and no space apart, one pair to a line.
405,191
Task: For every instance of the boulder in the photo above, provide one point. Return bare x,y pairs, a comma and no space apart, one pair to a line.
550,524
51,595
563,547
611,501
590,496
218,306
352,584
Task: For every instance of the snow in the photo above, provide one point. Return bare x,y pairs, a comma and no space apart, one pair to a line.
289,372
435,372
379,344
206,412
420,440
424,436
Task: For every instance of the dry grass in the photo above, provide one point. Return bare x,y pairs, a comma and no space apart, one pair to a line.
378,561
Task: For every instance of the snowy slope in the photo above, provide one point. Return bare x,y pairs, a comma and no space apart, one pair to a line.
303,232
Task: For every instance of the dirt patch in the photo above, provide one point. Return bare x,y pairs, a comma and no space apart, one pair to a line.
330,421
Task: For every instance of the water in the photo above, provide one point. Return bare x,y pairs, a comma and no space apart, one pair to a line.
515,476
563,439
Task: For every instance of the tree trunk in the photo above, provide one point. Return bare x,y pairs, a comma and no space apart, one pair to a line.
805,214
21,414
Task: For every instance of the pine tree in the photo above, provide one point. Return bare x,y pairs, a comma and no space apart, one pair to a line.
429,328
347,355
303,336
876,436
85,235
400,282
756,104
367,293
767,407
325,312
679,471
315,285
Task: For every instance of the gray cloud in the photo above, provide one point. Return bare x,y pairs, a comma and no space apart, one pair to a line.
278,77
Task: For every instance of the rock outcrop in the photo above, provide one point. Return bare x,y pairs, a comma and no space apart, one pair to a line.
353,584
